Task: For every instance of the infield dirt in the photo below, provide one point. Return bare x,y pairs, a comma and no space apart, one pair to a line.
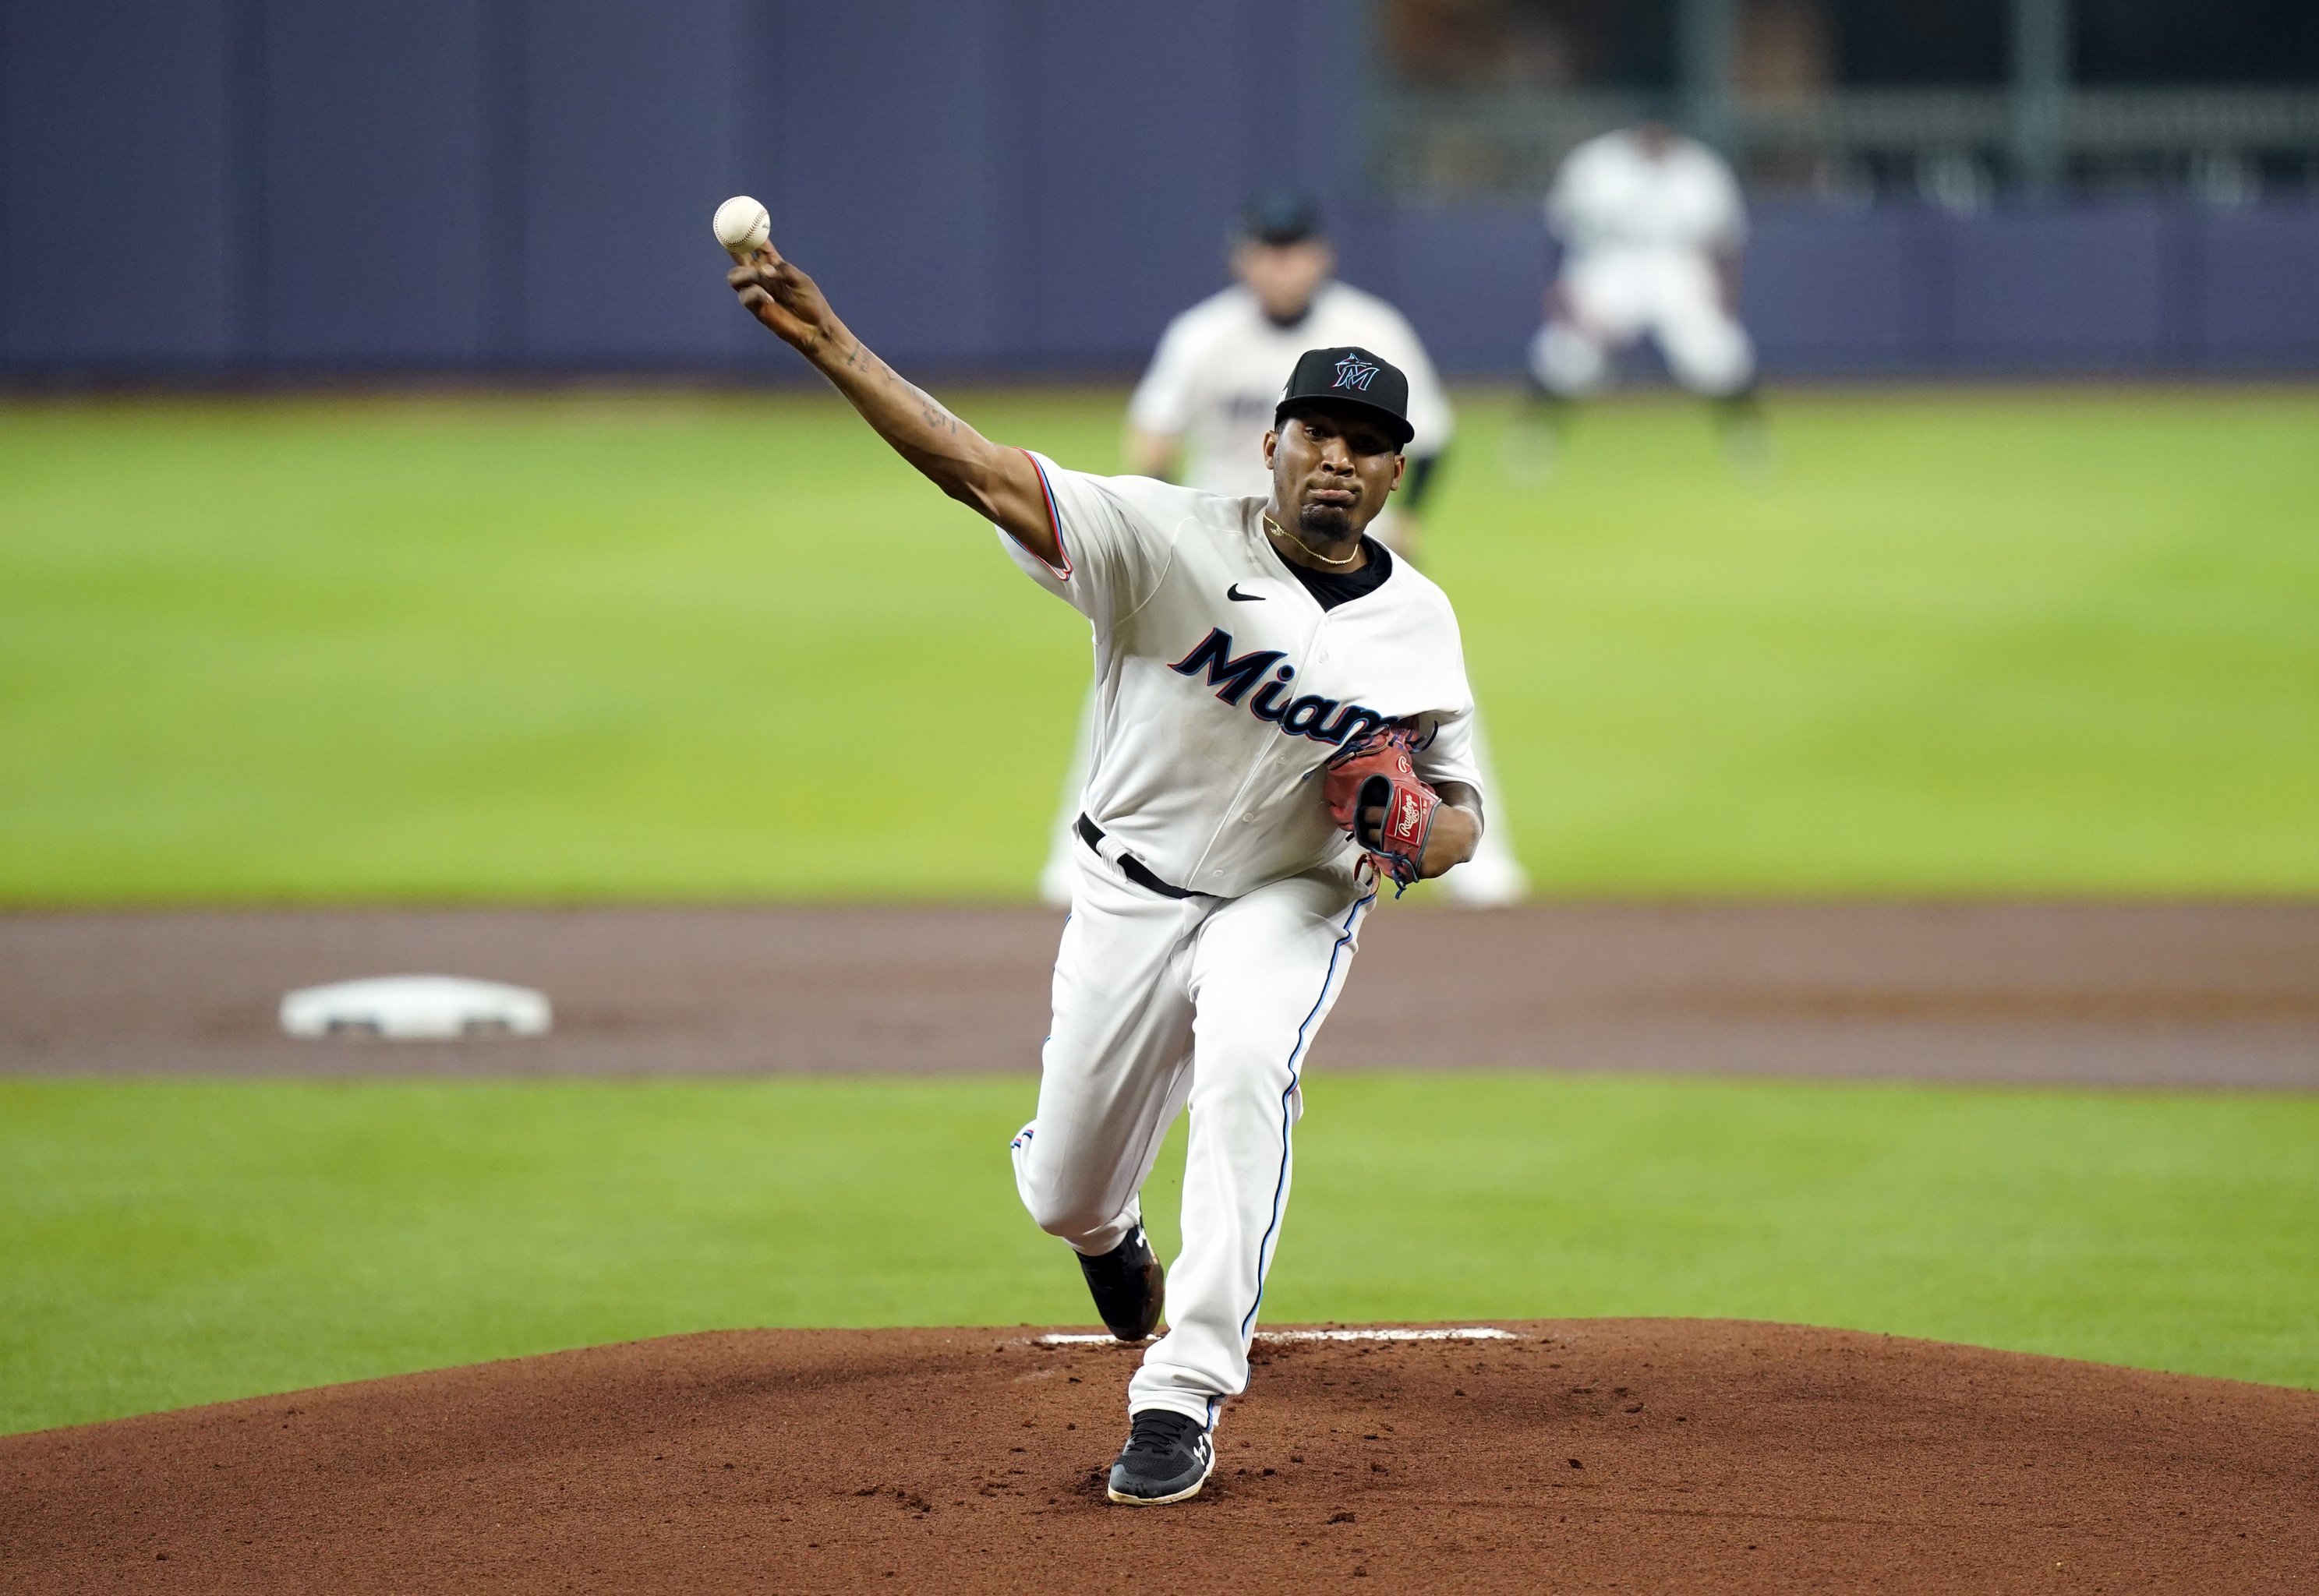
2218,995
1598,1456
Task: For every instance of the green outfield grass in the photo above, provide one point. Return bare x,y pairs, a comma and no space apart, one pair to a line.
634,646
177,1243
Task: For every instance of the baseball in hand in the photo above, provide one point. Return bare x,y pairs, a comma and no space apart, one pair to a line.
741,226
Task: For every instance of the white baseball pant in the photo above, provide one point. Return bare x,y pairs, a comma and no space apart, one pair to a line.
1616,296
1158,1003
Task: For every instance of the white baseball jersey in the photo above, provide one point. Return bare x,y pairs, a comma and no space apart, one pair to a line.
1222,685
1611,195
1217,375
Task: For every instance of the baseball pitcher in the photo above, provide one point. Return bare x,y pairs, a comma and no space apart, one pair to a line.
1200,414
1282,722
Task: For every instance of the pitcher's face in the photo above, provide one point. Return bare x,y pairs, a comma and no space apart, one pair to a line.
1333,469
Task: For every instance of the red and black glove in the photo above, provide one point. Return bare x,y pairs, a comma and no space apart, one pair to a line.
1375,794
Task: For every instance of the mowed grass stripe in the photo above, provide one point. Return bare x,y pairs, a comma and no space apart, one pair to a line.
172,1243
575,647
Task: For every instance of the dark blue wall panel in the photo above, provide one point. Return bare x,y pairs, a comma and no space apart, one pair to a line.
632,120
1831,290
903,208
1305,112
1469,278
2064,290
118,210
375,182
513,184
1143,158
2256,302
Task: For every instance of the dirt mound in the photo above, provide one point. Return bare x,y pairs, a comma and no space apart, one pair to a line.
1627,1456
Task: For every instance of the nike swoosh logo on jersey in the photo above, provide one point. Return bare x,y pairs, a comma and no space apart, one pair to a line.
1237,597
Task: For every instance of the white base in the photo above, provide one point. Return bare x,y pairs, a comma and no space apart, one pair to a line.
415,1008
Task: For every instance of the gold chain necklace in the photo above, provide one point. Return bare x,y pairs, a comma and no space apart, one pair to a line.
1307,547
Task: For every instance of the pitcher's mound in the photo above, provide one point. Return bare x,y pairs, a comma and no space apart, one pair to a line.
1633,1455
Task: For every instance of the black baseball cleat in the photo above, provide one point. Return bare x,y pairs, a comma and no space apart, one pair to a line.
1129,1285
1167,1458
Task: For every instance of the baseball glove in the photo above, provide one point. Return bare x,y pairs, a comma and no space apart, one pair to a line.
1375,773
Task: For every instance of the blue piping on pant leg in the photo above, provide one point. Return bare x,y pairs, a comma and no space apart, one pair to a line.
1296,1063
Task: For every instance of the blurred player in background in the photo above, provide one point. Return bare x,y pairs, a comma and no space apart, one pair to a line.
1651,225
1216,376
1199,416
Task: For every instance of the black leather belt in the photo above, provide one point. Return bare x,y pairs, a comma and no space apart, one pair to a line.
1132,867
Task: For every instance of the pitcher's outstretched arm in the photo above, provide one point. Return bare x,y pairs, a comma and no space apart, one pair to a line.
1001,484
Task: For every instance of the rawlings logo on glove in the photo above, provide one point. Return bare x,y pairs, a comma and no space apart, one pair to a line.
1375,795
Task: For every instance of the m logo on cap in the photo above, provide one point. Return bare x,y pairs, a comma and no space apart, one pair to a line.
1355,378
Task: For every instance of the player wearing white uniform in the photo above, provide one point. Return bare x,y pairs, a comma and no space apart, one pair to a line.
1240,642
1652,225
1200,414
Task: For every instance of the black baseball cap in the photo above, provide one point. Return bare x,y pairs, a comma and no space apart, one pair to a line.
1349,377
1280,216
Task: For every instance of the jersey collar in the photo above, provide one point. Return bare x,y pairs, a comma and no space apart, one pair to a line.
1254,523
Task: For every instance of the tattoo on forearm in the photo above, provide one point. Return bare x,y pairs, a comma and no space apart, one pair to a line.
886,398
931,412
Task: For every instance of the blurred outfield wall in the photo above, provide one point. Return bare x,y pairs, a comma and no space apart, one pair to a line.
220,188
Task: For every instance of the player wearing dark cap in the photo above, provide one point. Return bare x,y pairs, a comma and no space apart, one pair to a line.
1200,414
1282,718
1207,397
